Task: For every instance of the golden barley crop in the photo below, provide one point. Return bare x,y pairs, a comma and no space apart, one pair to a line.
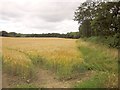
59,55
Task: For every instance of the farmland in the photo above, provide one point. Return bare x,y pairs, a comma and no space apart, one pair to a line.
69,62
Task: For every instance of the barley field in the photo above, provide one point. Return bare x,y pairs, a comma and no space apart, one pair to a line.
24,58
20,55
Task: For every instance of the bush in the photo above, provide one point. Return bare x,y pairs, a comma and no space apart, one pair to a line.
110,41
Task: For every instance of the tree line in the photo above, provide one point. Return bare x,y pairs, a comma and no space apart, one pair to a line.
73,35
100,19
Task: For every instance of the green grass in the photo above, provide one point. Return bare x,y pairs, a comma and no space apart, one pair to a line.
26,87
99,60
97,81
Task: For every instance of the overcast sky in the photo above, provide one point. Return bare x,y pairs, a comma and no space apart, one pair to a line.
38,16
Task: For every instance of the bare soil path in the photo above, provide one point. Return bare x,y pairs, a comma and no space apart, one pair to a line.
45,79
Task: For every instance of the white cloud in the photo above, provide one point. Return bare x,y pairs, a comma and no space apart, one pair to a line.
38,16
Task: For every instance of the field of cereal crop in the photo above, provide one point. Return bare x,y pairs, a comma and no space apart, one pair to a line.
36,62
22,55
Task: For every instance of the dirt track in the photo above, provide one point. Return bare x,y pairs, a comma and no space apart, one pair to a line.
44,79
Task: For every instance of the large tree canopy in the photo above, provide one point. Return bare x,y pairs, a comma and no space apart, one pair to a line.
98,18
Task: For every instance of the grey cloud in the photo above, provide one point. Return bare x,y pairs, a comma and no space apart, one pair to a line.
58,11
9,15
9,10
38,15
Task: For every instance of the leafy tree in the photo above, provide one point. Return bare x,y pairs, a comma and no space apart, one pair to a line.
85,29
68,35
107,19
84,14
4,33
99,19
12,34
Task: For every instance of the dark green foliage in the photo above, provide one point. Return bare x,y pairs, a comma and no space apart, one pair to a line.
100,19
85,29
110,41
3,33
12,34
73,35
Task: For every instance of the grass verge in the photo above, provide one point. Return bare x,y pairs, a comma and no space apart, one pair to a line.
100,60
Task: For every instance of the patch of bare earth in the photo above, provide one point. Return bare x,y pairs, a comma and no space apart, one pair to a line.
10,81
45,79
